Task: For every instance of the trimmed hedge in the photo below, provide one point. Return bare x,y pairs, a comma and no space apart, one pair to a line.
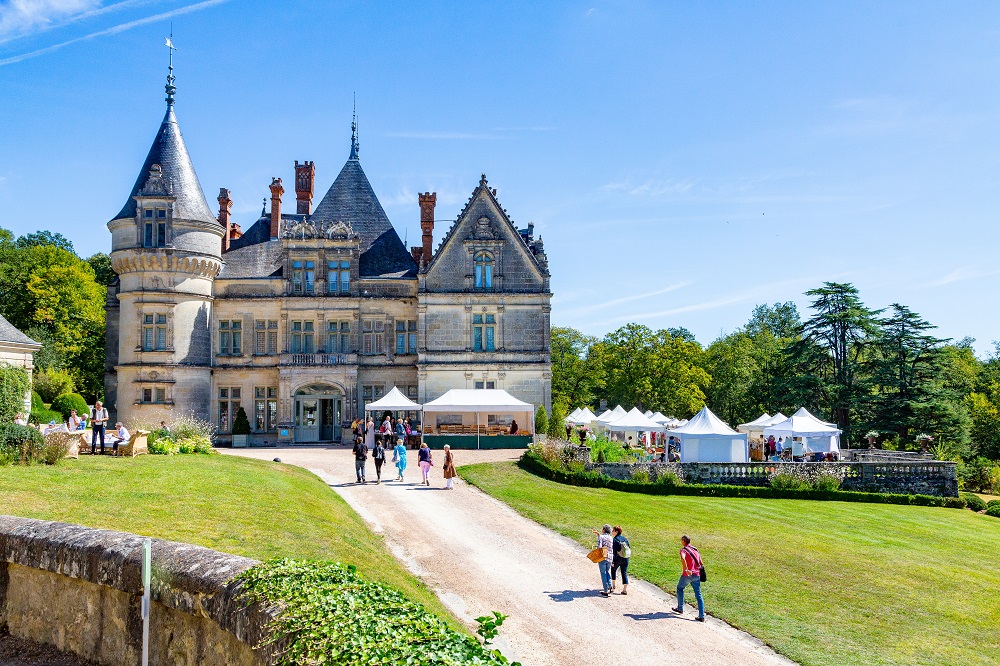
973,501
534,464
993,510
67,402
44,416
331,615
993,503
36,401
14,384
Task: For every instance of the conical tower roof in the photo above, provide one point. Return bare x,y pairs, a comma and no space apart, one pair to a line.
351,200
179,179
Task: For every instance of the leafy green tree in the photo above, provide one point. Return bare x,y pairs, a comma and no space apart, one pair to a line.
781,320
103,273
557,424
53,382
574,377
49,356
985,425
14,386
43,238
541,421
830,358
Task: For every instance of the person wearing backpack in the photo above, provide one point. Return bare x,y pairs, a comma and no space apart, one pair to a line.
693,575
360,458
98,421
378,457
622,551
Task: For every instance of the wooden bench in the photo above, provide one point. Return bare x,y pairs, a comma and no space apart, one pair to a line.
136,444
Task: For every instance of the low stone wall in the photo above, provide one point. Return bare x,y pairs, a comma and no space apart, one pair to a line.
919,478
80,590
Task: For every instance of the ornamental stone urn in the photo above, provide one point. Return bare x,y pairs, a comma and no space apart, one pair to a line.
871,441
925,443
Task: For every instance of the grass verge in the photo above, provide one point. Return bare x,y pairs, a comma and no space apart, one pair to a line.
253,508
825,583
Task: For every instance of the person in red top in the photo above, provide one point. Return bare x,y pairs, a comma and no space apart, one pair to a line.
691,575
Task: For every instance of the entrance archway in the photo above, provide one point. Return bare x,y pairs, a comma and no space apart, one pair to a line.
317,412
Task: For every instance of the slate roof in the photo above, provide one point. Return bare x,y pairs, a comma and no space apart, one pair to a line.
259,260
168,150
10,333
351,199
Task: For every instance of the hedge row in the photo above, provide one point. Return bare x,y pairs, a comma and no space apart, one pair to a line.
331,615
531,462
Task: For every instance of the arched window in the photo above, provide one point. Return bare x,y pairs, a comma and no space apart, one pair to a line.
483,271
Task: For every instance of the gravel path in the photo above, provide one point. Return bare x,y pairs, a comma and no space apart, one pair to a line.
479,555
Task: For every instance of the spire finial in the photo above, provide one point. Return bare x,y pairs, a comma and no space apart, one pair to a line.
170,87
354,130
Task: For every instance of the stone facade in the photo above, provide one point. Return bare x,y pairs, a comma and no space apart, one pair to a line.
18,350
305,317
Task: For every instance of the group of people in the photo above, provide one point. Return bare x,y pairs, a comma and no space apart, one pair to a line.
376,441
98,420
783,448
614,551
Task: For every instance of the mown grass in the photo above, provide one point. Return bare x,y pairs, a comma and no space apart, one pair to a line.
825,583
247,507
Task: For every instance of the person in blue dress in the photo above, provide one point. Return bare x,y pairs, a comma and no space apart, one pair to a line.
399,457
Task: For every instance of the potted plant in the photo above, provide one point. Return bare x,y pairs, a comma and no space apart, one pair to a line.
241,429
872,436
925,442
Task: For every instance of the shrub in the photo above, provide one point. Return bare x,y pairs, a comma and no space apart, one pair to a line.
162,446
14,385
640,476
53,382
788,481
56,447
973,501
541,421
241,425
67,402
43,416
955,503
557,426
20,444
329,614
827,480
979,475
669,477
993,504
187,426
194,444
36,401
602,457
993,511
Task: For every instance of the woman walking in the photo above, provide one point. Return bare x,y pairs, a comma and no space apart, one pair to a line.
425,461
622,552
605,541
449,468
378,457
399,457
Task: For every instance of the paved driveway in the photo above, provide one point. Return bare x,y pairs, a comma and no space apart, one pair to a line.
479,555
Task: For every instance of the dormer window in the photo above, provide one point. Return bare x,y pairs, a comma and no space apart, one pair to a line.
483,270
154,227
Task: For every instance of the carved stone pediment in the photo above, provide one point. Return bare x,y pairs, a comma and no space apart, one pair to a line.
483,229
303,229
156,184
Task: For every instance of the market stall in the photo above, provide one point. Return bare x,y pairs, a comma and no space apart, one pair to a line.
395,402
706,438
807,434
478,419
634,423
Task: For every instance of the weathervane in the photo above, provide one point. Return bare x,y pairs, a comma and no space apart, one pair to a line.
170,87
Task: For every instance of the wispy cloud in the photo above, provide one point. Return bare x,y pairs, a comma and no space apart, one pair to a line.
652,187
40,22
459,136
960,275
24,16
114,30
626,299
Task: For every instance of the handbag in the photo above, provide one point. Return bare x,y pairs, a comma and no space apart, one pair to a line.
703,575
597,555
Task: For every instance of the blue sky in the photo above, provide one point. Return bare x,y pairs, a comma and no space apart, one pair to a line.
682,161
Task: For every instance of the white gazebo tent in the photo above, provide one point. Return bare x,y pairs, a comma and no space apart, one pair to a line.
393,401
484,403
611,415
635,421
755,429
659,418
585,416
706,438
571,417
816,436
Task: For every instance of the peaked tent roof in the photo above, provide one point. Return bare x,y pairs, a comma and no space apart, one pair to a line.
611,415
584,416
801,424
777,418
660,418
168,150
572,415
478,400
394,400
352,200
705,423
759,422
635,420
10,333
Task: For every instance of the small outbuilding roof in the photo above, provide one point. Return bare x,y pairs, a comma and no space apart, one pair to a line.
11,334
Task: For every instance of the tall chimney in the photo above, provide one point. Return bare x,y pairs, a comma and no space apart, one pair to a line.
225,208
427,202
305,180
276,191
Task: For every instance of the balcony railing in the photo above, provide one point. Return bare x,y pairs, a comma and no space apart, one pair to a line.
318,359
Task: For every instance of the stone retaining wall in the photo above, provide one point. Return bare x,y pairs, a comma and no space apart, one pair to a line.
80,589
918,478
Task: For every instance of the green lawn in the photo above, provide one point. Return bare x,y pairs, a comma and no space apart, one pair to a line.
822,582
247,507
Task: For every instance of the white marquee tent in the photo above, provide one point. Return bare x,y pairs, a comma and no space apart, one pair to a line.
393,401
817,436
484,403
660,418
585,416
706,438
571,417
611,415
635,421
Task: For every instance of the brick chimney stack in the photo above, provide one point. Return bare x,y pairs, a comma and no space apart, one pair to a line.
427,202
225,208
305,181
276,191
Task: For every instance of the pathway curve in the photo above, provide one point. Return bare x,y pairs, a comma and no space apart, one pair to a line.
479,555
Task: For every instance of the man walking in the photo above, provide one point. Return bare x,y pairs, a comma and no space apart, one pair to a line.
98,421
691,575
360,458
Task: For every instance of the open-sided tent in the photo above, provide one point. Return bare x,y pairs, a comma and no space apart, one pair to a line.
585,416
659,418
611,415
757,425
476,406
393,401
706,438
817,436
571,417
635,421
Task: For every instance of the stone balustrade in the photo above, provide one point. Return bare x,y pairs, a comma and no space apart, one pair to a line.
80,589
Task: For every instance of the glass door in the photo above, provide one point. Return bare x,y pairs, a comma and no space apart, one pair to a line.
326,420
